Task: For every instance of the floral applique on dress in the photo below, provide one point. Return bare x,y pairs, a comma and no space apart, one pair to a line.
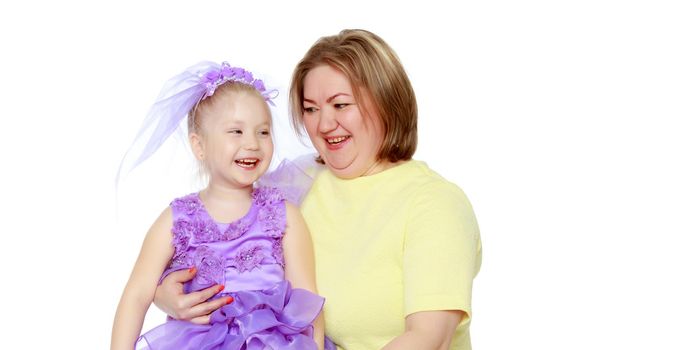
245,256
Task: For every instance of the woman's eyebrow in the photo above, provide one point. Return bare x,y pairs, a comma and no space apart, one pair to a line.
337,95
329,99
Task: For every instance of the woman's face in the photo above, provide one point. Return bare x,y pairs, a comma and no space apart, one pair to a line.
347,138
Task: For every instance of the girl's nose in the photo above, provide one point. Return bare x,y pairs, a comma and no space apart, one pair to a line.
251,142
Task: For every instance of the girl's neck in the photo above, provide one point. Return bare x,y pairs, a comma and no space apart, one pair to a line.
221,193
226,204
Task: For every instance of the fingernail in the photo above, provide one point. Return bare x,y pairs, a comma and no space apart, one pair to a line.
221,287
191,270
229,299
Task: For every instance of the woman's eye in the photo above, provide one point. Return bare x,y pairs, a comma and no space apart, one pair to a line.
310,109
340,105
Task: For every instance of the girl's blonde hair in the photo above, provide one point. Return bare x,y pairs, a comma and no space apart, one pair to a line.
194,116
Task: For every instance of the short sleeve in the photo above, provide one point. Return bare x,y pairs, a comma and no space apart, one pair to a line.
442,250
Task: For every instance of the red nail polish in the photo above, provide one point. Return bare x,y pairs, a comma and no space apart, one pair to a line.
229,299
221,287
191,270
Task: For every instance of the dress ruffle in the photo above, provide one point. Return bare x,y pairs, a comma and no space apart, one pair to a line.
277,318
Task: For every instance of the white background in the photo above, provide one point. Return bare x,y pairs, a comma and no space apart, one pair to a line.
556,118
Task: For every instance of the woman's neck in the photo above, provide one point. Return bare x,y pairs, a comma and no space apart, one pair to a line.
381,165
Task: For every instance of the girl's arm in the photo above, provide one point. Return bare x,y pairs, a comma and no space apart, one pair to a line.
156,251
300,262
429,330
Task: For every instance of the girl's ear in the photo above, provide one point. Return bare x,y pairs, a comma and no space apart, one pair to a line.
197,146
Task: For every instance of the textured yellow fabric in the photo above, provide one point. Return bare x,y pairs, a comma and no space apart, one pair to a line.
388,245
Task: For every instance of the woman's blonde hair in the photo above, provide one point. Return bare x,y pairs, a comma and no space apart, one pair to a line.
373,67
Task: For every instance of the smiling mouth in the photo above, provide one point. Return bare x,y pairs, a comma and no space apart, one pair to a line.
337,140
247,163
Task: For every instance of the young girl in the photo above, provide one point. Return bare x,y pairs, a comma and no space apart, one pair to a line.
237,237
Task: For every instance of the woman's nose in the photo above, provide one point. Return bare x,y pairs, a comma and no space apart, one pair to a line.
328,122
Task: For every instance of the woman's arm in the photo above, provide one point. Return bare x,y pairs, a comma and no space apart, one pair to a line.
300,262
170,298
156,251
427,330
441,255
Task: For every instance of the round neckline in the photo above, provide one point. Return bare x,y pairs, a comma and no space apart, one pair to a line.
227,224
376,176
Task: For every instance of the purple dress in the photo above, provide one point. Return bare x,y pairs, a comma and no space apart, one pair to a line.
246,257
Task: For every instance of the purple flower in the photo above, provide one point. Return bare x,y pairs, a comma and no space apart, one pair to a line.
238,73
212,76
259,85
206,231
249,257
189,204
227,72
182,231
272,218
267,195
183,259
236,229
248,76
210,266
278,252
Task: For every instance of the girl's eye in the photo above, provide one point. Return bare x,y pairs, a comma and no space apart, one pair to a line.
265,132
235,131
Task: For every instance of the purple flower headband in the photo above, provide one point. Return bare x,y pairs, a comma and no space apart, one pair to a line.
176,100
213,78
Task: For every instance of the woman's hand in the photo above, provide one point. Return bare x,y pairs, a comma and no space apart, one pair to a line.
170,298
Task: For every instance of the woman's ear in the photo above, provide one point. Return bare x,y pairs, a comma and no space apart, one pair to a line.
197,145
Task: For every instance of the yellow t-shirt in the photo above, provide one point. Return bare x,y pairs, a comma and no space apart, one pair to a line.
389,245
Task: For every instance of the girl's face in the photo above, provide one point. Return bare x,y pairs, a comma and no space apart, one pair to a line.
347,139
235,142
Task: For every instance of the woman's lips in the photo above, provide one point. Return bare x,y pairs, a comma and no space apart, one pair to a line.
336,142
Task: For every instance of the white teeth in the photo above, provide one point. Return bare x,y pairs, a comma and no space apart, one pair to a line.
247,162
336,140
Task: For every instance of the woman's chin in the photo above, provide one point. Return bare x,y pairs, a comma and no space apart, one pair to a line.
342,171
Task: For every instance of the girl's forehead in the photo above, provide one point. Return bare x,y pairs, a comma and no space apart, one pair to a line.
239,112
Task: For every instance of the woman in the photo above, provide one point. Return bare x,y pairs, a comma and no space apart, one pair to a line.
397,246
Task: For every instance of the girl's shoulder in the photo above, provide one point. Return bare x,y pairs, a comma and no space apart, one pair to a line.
186,205
267,195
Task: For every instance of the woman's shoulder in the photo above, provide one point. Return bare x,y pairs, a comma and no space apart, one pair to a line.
430,184
438,200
